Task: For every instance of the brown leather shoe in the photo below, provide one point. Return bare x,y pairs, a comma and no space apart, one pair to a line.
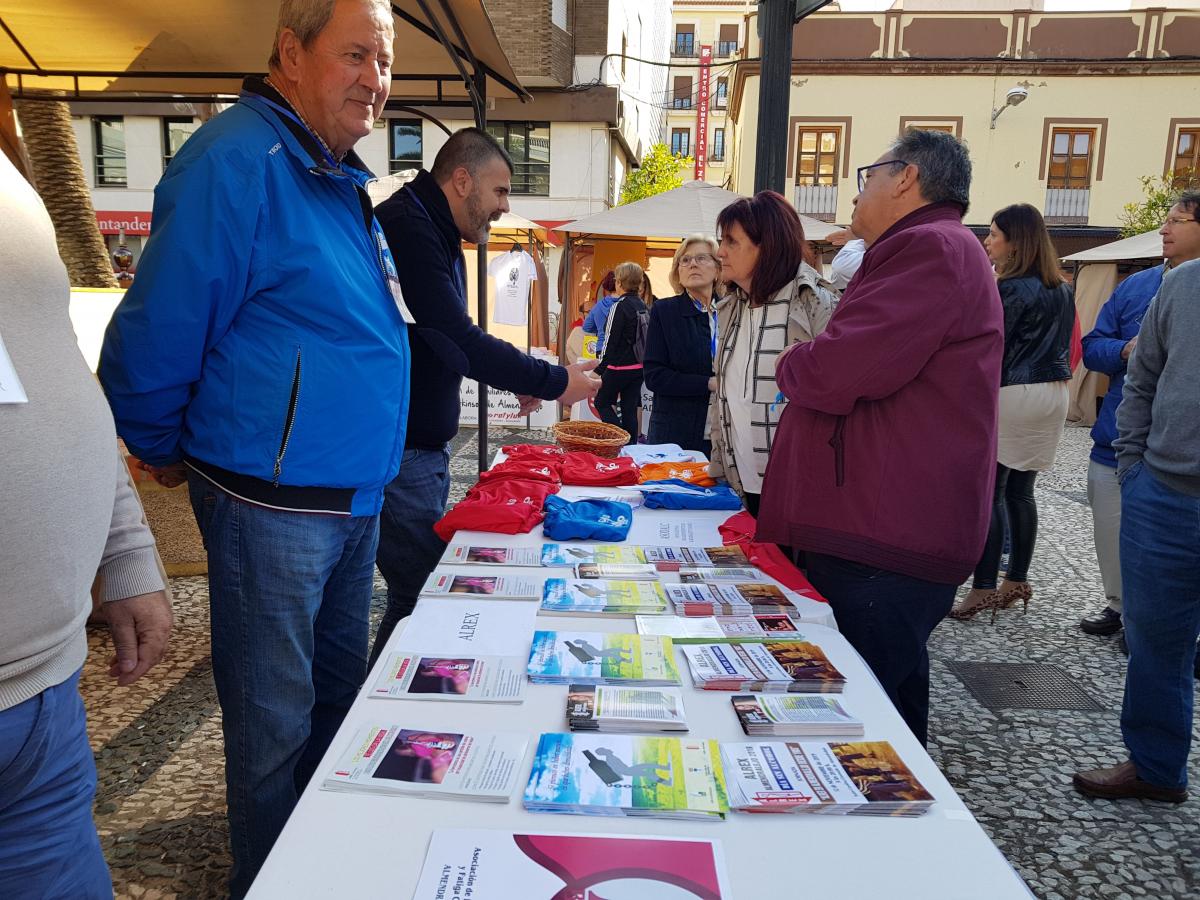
1122,781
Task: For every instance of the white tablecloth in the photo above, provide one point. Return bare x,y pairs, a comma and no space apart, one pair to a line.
344,845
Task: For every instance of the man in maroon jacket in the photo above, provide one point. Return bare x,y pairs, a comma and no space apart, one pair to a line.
883,465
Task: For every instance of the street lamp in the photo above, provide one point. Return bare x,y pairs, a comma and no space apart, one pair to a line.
1016,96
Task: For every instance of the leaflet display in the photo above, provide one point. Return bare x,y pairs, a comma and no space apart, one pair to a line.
588,597
794,714
796,666
468,555
618,708
588,657
498,587
427,676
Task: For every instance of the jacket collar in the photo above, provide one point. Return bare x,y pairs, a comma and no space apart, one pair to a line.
946,211
689,308
298,139
430,195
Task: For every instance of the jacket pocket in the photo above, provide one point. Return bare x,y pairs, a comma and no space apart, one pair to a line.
289,420
838,443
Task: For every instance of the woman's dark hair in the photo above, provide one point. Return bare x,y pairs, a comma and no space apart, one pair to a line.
1033,252
772,225
609,283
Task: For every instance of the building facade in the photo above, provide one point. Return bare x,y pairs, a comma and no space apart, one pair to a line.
1063,110
707,39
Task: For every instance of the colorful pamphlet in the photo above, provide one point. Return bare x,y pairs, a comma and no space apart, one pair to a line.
795,666
721,629
594,598
497,587
794,714
586,657
427,676
616,774
668,559
864,778
399,761
465,864
737,599
464,555
613,707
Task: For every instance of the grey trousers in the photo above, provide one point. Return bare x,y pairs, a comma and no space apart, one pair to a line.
1104,497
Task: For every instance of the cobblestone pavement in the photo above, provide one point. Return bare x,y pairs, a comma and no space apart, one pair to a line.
160,799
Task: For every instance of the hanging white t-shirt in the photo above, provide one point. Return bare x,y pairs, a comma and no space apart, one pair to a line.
738,393
512,273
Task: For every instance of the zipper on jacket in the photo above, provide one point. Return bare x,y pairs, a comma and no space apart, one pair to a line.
838,443
289,421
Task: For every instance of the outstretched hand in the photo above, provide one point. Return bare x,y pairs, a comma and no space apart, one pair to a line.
581,383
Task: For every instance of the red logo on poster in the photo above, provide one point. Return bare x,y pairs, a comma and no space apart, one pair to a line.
702,111
129,222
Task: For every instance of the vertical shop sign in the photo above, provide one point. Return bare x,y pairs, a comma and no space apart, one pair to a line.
702,112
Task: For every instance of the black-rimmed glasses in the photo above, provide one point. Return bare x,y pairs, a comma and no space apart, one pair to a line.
862,182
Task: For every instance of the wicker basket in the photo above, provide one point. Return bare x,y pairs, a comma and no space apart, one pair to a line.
599,438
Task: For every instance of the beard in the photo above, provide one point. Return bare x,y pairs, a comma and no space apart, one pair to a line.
479,220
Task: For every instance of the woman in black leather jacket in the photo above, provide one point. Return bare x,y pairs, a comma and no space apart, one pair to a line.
1039,313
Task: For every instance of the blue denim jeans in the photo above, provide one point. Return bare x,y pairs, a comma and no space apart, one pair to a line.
48,842
1160,578
409,548
290,594
887,617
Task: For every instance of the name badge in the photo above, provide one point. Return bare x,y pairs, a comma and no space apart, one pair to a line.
11,390
398,296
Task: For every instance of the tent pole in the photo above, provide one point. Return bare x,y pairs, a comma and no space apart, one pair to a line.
481,280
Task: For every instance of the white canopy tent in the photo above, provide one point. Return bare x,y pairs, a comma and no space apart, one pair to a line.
1097,273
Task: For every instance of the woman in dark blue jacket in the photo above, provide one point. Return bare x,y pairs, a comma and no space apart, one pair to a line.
679,348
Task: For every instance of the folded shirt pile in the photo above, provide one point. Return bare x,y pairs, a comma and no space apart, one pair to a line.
601,520
692,473
505,505
543,452
524,469
595,471
652,453
673,493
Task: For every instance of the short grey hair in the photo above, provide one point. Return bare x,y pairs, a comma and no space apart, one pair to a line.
469,148
308,18
943,165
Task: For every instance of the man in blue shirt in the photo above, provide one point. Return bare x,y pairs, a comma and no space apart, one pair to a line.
262,355
1106,349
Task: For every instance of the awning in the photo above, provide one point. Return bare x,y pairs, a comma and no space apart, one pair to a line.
689,209
124,48
1140,246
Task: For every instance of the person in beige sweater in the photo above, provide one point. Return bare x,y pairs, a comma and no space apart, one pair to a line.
69,517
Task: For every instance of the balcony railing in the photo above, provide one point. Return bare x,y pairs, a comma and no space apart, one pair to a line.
818,201
1067,206
685,49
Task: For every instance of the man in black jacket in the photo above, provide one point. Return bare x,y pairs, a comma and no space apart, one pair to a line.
426,222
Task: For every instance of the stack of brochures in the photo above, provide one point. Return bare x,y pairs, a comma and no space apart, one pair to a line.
586,597
794,715
585,657
667,559
462,864
863,778
705,599
617,571
617,708
407,675
495,587
468,555
735,574
721,629
411,762
614,774
794,666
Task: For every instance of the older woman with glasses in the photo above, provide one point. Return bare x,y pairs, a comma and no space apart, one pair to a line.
778,299
680,344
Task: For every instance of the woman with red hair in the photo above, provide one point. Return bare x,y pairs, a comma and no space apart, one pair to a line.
777,299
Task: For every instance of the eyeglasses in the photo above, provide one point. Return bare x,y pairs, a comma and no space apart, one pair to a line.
1172,222
862,181
699,259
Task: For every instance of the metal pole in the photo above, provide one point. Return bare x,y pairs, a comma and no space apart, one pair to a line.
775,21
481,278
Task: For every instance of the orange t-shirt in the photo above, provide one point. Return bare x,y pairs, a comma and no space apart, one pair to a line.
692,472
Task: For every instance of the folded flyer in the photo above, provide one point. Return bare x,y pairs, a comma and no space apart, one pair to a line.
497,587
586,657
797,666
461,626
735,573
478,864
862,778
721,629
616,707
665,558
398,761
426,676
617,571
633,775
592,597
794,714
465,555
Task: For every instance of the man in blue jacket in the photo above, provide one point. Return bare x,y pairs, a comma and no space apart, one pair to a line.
262,354
427,220
1106,349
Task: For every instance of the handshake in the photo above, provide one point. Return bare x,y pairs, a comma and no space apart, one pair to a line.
581,385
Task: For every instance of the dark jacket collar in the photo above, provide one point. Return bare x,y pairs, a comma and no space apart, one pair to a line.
425,189
688,304
256,86
947,210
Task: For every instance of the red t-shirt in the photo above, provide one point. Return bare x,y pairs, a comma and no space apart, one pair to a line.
505,506
596,471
